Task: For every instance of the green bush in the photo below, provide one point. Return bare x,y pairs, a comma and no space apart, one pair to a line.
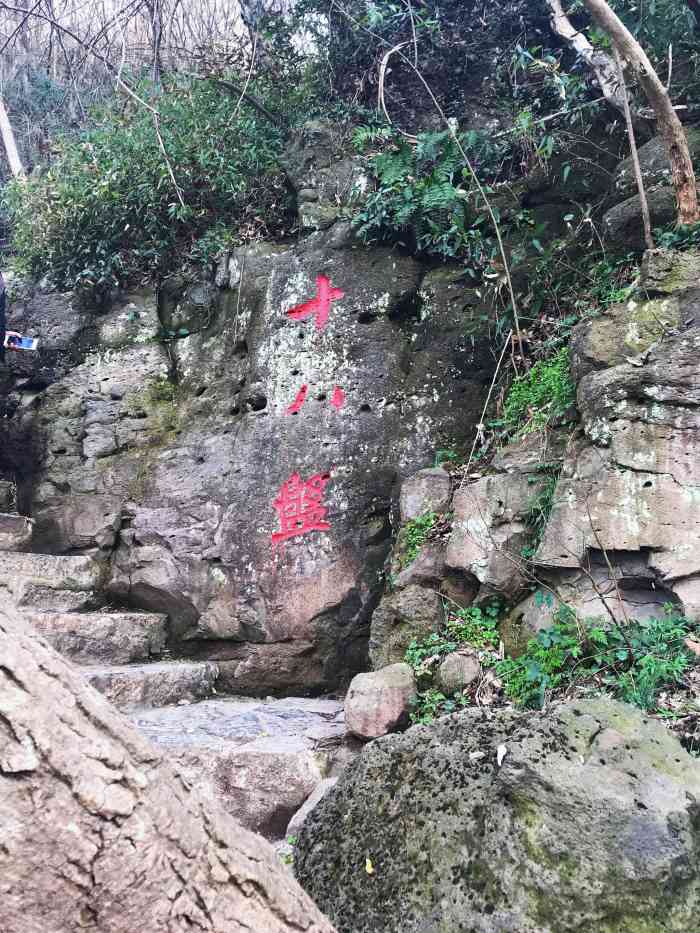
476,627
415,533
107,208
543,394
422,197
634,662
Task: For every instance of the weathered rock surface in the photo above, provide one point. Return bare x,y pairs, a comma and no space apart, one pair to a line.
458,671
119,842
589,825
426,491
380,701
171,469
132,686
653,161
622,225
27,577
491,514
302,814
107,637
260,760
413,612
15,532
624,529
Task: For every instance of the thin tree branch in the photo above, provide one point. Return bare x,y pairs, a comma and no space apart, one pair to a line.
646,219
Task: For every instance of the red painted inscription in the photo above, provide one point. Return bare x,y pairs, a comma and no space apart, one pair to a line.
318,306
338,399
300,507
298,401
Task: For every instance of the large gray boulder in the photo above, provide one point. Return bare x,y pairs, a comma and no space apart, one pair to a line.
654,164
590,824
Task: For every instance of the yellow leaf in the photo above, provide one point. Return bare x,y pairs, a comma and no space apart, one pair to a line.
369,867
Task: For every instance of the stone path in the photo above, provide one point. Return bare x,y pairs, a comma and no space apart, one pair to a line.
262,759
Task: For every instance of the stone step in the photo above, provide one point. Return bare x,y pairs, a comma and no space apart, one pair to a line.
15,531
102,637
145,686
20,571
260,759
38,598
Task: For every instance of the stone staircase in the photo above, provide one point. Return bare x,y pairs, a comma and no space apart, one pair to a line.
262,759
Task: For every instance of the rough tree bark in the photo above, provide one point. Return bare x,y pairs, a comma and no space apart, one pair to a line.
9,142
657,94
602,65
99,834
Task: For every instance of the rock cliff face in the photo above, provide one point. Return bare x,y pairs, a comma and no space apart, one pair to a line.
168,458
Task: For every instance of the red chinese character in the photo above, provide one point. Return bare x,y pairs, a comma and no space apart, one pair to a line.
299,507
298,401
338,399
320,305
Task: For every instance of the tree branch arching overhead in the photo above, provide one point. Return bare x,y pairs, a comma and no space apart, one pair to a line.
657,94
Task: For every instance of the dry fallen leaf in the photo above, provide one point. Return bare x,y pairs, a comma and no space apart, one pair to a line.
693,646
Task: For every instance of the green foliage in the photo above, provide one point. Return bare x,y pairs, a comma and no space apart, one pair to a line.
415,534
432,703
107,208
540,506
448,455
634,663
536,399
475,627
422,198
678,237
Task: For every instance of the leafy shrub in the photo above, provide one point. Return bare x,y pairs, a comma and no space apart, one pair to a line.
107,208
634,663
421,197
544,393
476,627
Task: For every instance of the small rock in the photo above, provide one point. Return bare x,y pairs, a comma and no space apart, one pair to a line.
458,671
379,702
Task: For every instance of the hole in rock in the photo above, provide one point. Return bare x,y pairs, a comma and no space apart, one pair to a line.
256,403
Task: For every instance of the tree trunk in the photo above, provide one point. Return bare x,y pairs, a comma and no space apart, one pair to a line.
657,94
597,60
100,834
643,202
695,9
8,138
